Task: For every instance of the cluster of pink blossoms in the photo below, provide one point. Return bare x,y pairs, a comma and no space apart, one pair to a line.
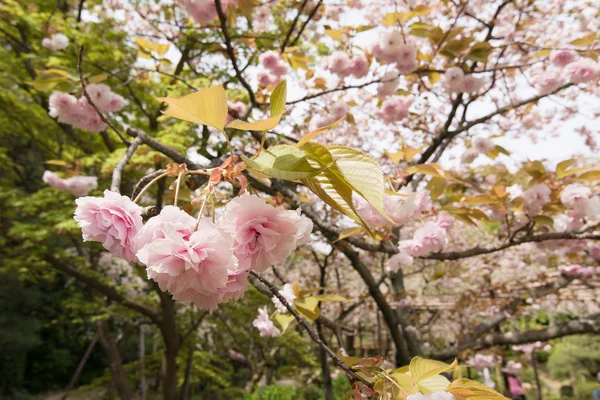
204,265
204,12
535,198
455,81
261,19
264,324
342,65
395,108
274,68
568,65
80,113
481,361
579,199
58,41
392,49
428,239
389,84
578,270
78,185
479,146
432,396
400,208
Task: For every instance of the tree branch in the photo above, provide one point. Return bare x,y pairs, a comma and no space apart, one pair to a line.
118,171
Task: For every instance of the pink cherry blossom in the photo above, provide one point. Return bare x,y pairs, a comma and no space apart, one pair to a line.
263,235
395,108
471,84
288,294
406,58
453,79
561,58
483,145
264,324
359,67
469,156
269,59
78,185
583,70
113,220
535,198
428,239
432,396
266,78
339,63
391,42
481,361
397,261
262,19
548,81
192,266
513,367
575,196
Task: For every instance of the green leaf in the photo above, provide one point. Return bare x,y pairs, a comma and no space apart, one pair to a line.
330,297
282,162
278,98
363,173
263,125
473,390
424,30
437,383
543,220
480,52
309,136
148,46
206,107
421,368
308,307
284,320
589,176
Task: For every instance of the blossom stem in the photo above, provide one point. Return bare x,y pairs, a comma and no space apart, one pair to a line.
137,198
177,184
200,213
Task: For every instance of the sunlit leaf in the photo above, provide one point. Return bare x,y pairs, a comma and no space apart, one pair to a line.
335,34
436,383
349,232
262,125
473,390
158,48
284,320
421,368
480,52
206,107
278,98
330,297
282,162
589,176
309,136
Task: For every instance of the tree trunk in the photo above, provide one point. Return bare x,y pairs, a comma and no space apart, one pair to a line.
185,389
142,363
324,358
84,359
171,338
122,385
536,375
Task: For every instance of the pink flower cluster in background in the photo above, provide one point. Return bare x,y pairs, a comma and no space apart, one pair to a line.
78,185
401,208
204,12
578,270
535,198
264,324
428,239
455,81
391,48
204,266
78,113
568,67
395,108
342,65
274,68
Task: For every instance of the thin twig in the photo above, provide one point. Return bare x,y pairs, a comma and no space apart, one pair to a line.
89,98
118,171
313,335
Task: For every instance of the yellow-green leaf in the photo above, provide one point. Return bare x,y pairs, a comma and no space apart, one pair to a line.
282,162
480,52
308,307
330,297
284,320
363,173
589,176
309,136
278,98
262,125
335,34
348,232
206,107
98,78
159,48
421,368
436,383
473,390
